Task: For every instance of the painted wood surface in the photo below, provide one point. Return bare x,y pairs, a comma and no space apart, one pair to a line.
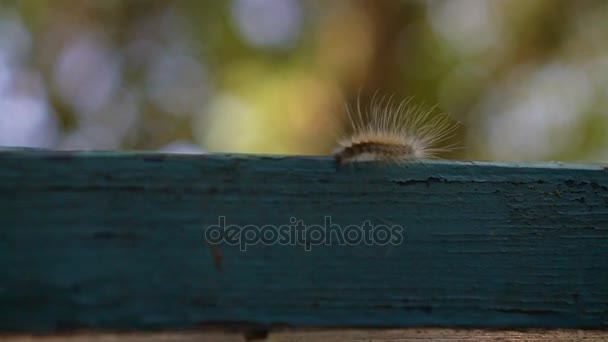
117,241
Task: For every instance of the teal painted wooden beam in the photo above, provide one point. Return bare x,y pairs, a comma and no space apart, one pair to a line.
117,241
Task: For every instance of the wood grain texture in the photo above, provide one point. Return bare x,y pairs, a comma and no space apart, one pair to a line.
334,335
116,241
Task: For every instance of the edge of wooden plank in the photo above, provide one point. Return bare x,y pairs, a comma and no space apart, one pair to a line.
131,154
327,335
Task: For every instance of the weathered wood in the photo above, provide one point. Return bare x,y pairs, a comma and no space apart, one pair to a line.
334,335
115,241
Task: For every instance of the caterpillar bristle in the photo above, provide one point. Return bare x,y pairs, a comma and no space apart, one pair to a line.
394,132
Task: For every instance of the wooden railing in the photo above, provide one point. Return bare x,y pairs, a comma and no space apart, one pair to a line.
104,242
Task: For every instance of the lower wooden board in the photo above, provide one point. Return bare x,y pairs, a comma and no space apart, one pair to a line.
118,241
338,335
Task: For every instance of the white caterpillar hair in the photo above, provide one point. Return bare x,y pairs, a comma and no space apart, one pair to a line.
390,131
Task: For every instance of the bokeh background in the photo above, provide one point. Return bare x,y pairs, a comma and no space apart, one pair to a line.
528,79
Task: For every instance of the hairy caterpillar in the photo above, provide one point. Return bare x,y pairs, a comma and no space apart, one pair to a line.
390,131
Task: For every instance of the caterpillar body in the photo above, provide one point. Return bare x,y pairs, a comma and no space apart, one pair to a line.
394,132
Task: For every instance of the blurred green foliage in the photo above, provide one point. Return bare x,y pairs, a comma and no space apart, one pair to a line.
527,78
